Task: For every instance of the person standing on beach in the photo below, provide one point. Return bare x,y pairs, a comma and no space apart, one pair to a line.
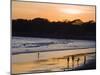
78,59
72,61
68,62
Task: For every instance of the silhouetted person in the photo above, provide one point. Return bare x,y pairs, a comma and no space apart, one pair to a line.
78,59
68,62
72,61
38,56
84,59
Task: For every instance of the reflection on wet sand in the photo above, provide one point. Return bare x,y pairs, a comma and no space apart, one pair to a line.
62,63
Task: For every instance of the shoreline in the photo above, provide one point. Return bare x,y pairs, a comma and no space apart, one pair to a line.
25,52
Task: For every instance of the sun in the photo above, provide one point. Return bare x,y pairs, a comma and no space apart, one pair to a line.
71,11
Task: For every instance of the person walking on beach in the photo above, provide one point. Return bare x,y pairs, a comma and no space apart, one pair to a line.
84,59
68,62
78,59
72,61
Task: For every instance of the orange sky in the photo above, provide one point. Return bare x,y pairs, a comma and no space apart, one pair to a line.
53,12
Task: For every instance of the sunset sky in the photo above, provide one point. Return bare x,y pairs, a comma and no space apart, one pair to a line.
53,12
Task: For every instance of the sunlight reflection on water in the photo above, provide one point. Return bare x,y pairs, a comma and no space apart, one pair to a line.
61,63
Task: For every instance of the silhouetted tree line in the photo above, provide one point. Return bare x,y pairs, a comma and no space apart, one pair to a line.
41,27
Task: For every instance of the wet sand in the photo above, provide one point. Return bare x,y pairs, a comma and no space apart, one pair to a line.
52,61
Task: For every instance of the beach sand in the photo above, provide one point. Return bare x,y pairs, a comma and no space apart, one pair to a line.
52,61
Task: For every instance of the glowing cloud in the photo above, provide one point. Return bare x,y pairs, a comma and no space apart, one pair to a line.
71,11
